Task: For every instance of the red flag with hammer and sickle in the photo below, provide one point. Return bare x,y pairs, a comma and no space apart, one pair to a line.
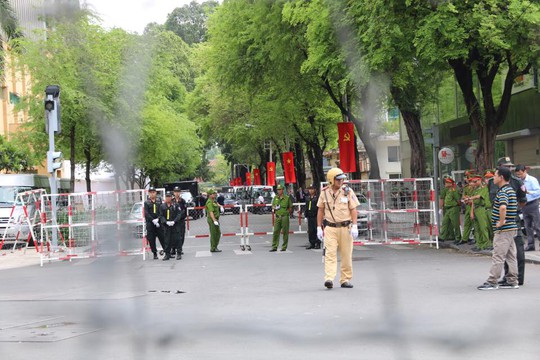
271,173
347,158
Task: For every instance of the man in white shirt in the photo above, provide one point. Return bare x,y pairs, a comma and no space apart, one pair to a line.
531,214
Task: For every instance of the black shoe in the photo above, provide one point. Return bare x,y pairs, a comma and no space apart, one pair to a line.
329,284
173,253
347,285
503,281
310,247
283,249
506,285
178,257
242,247
272,250
529,248
215,250
248,248
155,256
318,246
166,257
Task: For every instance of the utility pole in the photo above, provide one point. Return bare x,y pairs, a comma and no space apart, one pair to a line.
54,158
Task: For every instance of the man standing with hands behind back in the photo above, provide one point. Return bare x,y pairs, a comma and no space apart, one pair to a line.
531,214
337,212
212,212
282,207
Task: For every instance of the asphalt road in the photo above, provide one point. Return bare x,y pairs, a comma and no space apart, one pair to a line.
408,302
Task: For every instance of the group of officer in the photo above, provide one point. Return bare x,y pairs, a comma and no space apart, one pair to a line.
478,197
166,221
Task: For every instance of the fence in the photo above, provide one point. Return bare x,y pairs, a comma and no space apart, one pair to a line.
93,224
23,220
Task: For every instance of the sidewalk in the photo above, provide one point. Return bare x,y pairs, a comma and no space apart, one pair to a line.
530,256
18,258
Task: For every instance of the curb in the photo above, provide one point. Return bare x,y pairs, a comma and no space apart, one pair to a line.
467,249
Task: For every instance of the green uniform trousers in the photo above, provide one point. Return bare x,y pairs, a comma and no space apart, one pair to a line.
450,225
481,228
215,234
467,223
281,223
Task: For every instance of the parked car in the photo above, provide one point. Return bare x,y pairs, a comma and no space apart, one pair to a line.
136,213
230,203
366,213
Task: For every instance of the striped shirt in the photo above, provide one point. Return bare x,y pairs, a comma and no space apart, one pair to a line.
505,196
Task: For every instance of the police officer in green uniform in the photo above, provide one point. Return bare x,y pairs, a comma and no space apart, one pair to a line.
450,202
212,212
282,207
480,202
467,221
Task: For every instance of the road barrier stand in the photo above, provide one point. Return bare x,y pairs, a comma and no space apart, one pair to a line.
22,224
230,222
395,211
94,224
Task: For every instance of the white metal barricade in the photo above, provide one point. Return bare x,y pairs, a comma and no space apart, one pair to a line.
23,220
94,224
396,211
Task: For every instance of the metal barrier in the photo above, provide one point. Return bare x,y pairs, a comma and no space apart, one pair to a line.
23,220
396,211
230,222
93,224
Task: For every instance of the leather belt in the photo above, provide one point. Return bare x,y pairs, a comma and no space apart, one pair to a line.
339,224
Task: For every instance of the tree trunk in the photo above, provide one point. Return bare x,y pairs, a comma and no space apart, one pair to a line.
299,165
416,140
72,158
88,158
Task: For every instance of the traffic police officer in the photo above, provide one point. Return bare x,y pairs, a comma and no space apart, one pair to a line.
169,218
450,202
180,232
282,207
337,213
212,213
151,215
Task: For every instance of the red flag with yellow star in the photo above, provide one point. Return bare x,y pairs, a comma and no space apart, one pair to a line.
288,168
271,173
256,177
347,158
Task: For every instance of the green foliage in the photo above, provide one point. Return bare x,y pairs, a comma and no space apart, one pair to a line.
189,21
15,156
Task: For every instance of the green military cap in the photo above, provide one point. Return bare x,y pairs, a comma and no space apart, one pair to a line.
211,191
279,187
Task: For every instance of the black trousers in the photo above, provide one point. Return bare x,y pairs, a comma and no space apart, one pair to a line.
520,255
151,233
312,230
179,234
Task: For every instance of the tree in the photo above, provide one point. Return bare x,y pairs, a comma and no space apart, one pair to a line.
189,21
10,26
480,39
14,156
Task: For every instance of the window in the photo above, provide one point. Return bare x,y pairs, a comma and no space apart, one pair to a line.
393,154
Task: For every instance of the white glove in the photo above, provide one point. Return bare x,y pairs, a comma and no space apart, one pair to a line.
216,223
156,222
157,225
320,234
354,231
221,209
170,223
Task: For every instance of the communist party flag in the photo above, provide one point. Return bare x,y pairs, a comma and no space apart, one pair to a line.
347,159
271,173
256,177
288,168
248,179
231,182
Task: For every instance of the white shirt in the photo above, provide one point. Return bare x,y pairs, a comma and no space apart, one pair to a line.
532,186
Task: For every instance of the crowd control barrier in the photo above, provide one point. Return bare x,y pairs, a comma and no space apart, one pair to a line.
93,224
22,224
396,211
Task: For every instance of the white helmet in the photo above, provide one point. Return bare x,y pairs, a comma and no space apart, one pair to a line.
335,173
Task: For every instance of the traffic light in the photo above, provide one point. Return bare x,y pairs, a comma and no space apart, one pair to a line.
54,161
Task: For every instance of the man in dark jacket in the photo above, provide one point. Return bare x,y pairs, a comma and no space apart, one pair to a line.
151,215
516,184
169,218
179,235
311,216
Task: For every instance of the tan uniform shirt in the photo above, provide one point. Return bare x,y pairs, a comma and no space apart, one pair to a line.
339,203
